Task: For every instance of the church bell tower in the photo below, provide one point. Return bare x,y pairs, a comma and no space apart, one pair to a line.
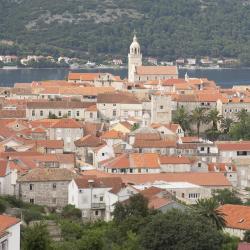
134,59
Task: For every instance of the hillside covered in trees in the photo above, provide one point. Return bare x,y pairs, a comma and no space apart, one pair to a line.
167,29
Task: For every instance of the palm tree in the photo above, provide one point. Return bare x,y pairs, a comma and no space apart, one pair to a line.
214,117
181,117
226,124
210,209
198,117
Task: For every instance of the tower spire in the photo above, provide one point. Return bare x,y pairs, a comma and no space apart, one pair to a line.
135,37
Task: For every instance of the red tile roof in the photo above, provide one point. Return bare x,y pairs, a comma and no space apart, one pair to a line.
234,146
67,123
47,174
236,216
83,76
134,160
89,141
154,144
202,179
244,246
7,222
118,97
221,167
174,160
115,183
157,70
190,139
112,134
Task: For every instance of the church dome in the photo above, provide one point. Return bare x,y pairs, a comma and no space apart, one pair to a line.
135,46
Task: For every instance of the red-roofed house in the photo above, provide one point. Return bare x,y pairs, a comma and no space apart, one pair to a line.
132,163
95,196
229,170
237,219
233,149
9,233
68,130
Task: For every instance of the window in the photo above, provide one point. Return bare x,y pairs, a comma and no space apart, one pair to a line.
77,113
41,112
199,164
161,107
59,113
101,198
33,113
114,104
54,185
91,115
32,201
31,187
114,112
96,212
69,113
202,148
241,152
103,154
54,200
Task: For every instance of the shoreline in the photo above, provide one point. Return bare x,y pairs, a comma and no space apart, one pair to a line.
124,67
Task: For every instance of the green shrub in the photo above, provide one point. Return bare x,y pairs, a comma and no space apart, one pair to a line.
70,212
31,215
3,206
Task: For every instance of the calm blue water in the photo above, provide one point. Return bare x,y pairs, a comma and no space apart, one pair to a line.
224,77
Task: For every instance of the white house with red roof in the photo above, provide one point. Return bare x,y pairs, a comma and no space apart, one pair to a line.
95,197
233,149
9,233
68,130
237,219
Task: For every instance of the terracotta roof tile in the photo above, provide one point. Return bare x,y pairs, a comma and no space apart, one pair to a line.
112,134
6,114
115,183
202,179
174,160
234,146
157,70
57,105
236,216
89,141
67,123
118,97
154,144
47,174
7,222
83,76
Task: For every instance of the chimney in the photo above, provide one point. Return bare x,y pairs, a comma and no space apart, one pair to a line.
91,183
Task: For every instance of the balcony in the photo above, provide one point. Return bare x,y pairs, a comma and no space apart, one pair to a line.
98,206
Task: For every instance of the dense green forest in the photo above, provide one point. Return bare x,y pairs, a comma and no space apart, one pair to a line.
167,29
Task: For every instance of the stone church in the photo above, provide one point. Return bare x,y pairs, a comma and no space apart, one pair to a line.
139,73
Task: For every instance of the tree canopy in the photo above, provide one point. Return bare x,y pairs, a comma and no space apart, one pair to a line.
167,29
